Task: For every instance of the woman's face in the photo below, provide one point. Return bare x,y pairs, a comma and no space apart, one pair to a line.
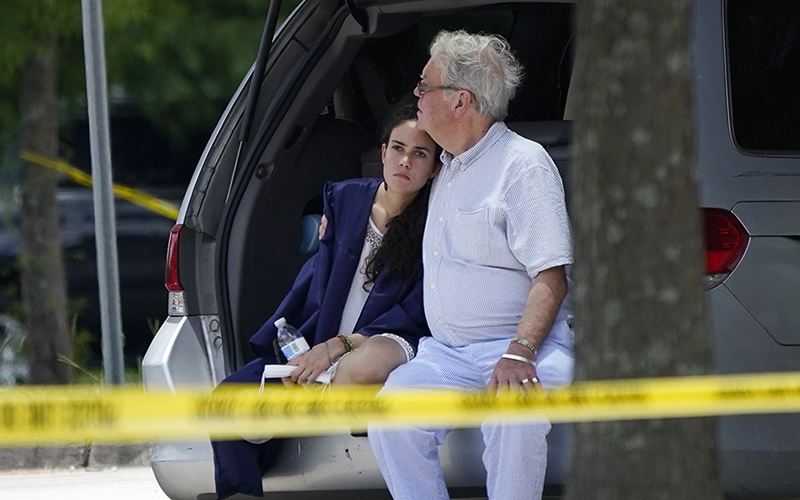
409,159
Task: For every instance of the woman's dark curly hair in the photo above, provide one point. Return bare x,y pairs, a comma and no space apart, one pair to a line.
401,248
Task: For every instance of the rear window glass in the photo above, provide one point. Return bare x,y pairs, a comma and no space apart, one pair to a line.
763,39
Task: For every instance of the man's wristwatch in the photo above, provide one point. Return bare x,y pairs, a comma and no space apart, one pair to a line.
526,343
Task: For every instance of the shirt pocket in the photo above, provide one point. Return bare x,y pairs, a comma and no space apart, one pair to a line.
471,234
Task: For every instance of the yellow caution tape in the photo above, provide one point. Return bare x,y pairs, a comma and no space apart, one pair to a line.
132,195
49,415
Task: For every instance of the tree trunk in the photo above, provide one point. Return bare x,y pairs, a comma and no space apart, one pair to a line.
639,293
44,295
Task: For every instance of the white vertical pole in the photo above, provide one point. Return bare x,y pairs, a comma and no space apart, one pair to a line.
102,191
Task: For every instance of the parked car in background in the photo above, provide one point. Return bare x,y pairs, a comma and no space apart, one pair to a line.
141,243
335,70
143,157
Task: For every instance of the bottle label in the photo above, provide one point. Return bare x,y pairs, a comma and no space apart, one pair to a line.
295,348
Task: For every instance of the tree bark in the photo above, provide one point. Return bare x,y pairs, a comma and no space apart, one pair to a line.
44,295
638,272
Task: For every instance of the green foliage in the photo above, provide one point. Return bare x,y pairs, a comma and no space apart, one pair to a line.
178,61
23,24
81,337
153,324
93,376
185,61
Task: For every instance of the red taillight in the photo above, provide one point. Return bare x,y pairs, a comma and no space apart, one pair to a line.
725,241
172,276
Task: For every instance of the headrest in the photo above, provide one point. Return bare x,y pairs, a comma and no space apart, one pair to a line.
309,234
371,164
546,133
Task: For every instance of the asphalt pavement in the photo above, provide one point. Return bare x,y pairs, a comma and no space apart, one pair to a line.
127,483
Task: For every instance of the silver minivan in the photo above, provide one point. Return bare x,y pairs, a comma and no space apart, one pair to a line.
334,70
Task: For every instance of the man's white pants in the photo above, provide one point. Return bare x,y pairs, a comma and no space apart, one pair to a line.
516,454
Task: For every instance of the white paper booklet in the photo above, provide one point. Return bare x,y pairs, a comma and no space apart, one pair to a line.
280,371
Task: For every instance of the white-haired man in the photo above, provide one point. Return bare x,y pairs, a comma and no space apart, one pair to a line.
495,248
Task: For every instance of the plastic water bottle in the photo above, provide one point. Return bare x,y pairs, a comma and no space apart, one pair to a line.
291,342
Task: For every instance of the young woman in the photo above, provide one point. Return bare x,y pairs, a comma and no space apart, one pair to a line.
358,301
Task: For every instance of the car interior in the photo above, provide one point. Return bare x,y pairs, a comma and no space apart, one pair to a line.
335,138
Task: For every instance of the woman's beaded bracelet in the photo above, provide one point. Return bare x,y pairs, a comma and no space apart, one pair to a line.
348,344
526,343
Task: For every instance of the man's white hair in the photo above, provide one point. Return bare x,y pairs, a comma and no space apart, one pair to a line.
481,64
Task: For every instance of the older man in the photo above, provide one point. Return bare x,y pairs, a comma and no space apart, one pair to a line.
496,243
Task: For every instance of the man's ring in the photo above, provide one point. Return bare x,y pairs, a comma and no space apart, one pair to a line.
531,380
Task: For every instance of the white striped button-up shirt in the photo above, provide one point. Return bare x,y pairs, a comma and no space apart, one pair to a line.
496,219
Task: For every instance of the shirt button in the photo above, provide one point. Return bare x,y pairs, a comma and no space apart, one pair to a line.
435,254
439,321
433,287
441,219
449,184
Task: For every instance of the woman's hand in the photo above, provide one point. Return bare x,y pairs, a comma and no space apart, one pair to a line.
323,226
309,365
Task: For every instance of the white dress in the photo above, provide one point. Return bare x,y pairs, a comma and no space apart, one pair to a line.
357,296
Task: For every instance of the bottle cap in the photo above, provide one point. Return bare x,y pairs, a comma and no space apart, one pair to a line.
280,322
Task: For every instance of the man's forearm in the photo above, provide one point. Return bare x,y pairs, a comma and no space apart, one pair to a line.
544,300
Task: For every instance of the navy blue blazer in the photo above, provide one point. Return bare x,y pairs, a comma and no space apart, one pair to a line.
314,306
316,301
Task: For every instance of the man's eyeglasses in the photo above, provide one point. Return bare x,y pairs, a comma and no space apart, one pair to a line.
423,88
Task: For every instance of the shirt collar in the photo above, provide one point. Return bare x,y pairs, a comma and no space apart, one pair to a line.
465,159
